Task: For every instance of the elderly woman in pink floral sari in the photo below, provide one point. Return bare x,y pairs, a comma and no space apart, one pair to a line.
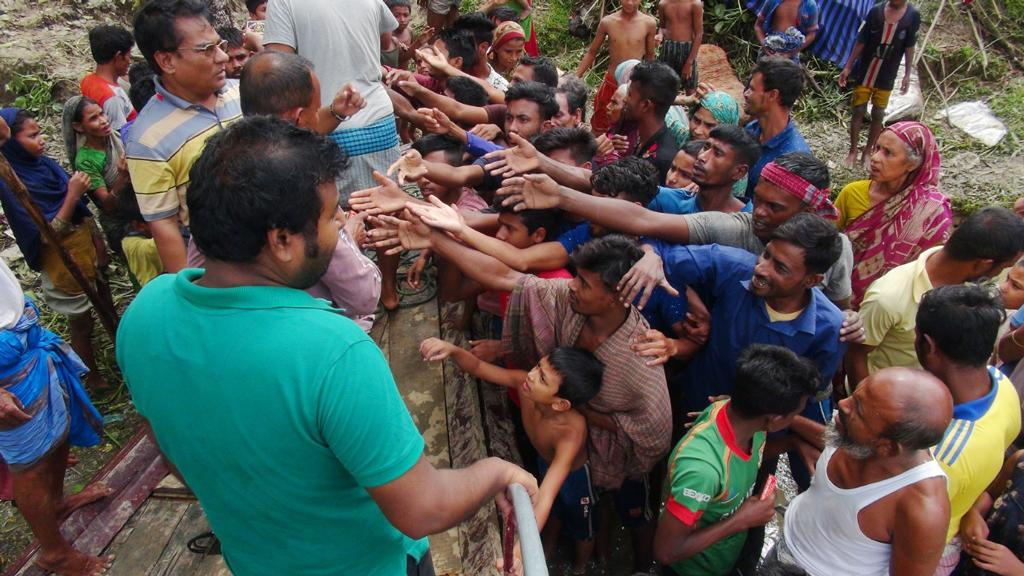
899,212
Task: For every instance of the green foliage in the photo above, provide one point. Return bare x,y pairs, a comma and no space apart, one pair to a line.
33,93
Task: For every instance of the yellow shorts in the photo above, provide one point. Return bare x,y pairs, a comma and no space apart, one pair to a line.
879,98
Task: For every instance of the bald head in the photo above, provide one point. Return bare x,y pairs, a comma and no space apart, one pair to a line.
278,83
912,406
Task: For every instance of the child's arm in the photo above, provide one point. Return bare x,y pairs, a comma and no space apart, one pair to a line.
650,42
435,349
697,23
588,58
565,453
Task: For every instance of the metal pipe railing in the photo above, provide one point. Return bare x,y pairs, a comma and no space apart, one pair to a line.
530,545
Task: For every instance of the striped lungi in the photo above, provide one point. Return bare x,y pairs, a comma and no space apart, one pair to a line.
371,147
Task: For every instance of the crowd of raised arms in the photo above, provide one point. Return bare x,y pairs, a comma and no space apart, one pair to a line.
668,287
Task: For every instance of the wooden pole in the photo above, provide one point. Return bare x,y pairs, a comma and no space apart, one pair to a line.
104,307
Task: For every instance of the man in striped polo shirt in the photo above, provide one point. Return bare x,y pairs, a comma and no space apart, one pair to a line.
713,468
191,104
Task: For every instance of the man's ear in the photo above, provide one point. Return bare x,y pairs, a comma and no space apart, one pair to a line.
547,125
281,244
813,280
982,266
165,60
739,171
294,116
538,235
457,62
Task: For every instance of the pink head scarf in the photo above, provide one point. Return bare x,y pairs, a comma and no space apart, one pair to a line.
921,140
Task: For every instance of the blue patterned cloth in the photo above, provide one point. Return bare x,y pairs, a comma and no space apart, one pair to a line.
43,372
375,137
838,23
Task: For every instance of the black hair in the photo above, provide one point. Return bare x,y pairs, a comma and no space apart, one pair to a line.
771,381
807,167
781,74
746,149
128,205
990,233
657,82
398,3
609,256
107,41
548,218
452,148
273,82
19,121
962,320
80,109
579,142
534,91
635,179
817,236
576,94
260,173
503,14
694,147
468,91
460,44
233,35
142,89
155,29
544,69
477,24
139,71
253,5
581,374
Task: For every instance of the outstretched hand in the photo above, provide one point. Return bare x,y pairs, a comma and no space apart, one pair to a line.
347,101
529,192
436,122
520,158
435,349
409,167
437,62
385,198
395,235
647,274
852,329
440,215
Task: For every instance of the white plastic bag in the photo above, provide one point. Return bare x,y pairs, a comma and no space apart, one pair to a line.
977,120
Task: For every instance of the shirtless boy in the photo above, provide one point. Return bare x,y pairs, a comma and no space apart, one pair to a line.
630,35
549,394
398,47
682,29
786,27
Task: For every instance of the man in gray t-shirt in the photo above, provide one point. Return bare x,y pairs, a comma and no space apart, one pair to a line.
342,39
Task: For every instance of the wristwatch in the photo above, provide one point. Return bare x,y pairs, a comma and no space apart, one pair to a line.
338,117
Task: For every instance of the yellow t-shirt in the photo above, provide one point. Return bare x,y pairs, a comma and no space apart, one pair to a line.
776,316
852,201
889,313
143,259
971,451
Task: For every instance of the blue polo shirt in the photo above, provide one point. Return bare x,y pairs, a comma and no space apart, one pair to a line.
678,201
789,140
721,276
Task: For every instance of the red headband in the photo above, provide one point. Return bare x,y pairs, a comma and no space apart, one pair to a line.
808,193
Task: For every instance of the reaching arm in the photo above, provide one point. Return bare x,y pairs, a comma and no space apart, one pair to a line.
435,349
522,157
1009,349
536,258
588,59
650,42
697,21
461,113
538,192
487,270
856,363
558,471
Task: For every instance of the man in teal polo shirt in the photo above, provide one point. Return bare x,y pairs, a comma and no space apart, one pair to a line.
278,411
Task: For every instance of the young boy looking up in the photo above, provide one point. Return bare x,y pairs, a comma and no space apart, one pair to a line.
713,468
630,35
682,29
111,48
888,33
549,395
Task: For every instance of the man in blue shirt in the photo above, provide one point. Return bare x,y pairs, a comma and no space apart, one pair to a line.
775,85
767,299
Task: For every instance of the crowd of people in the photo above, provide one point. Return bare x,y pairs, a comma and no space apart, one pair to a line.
671,293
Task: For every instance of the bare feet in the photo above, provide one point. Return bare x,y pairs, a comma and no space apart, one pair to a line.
74,563
90,494
851,159
865,160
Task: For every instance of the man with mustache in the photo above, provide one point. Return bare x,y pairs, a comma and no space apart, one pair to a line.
878,503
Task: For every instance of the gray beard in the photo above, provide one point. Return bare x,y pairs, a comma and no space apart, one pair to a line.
836,439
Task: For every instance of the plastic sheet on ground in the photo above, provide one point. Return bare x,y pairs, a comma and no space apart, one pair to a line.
977,120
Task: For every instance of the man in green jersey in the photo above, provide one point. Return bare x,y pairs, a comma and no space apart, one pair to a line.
713,468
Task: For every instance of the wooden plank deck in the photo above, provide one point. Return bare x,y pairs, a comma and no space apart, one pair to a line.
147,528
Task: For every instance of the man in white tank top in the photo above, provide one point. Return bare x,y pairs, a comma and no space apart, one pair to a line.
878,503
